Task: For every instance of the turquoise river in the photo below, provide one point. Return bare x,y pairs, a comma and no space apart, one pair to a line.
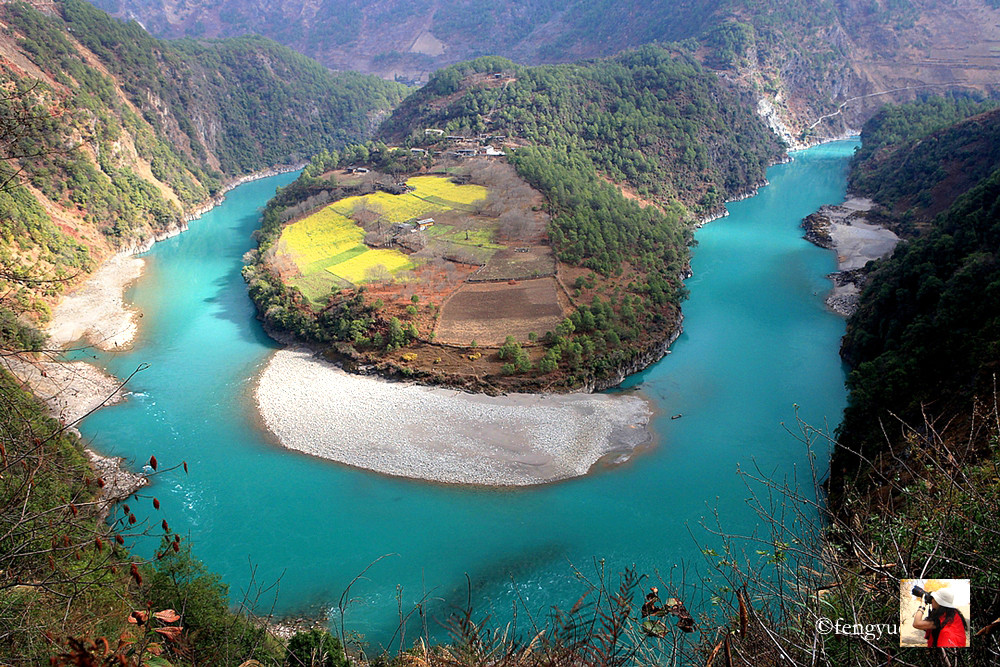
757,340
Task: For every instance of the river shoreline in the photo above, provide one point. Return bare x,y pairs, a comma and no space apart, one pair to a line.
844,229
96,312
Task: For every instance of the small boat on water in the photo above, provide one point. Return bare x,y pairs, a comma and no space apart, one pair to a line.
677,416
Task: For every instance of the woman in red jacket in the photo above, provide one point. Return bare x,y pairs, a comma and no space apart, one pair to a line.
944,625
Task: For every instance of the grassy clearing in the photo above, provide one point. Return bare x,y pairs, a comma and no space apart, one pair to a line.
317,286
482,237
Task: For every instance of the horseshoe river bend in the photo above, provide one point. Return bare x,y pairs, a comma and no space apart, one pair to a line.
758,341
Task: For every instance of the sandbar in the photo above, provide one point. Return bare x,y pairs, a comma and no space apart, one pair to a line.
858,242
443,435
96,310
844,229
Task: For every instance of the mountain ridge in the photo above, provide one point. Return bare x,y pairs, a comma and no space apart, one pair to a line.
803,58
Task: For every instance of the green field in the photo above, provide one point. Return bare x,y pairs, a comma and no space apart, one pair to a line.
482,237
327,247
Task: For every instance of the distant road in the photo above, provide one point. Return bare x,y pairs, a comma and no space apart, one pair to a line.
885,92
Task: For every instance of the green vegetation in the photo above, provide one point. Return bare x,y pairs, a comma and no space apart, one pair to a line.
926,336
315,648
516,358
248,96
916,158
928,327
274,105
898,124
932,515
214,634
660,123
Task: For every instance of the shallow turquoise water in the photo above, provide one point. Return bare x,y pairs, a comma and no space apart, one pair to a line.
757,340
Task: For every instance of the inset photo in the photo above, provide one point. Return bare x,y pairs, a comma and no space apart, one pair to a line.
934,612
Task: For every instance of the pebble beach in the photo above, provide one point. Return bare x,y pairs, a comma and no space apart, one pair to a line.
444,435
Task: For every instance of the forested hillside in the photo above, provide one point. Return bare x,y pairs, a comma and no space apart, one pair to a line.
804,58
916,158
654,120
926,337
111,136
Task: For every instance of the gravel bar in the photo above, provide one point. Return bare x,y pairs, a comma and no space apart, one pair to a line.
444,435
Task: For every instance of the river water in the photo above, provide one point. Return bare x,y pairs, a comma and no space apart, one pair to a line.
758,341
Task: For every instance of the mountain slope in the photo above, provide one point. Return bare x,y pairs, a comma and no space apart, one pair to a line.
111,136
915,159
655,120
926,336
804,58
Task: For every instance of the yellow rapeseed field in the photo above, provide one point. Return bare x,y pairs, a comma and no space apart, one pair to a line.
323,234
445,190
430,194
356,268
329,241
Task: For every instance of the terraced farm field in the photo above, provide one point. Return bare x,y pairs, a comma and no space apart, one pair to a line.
489,312
328,247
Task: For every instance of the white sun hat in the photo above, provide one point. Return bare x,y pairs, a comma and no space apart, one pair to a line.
945,597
